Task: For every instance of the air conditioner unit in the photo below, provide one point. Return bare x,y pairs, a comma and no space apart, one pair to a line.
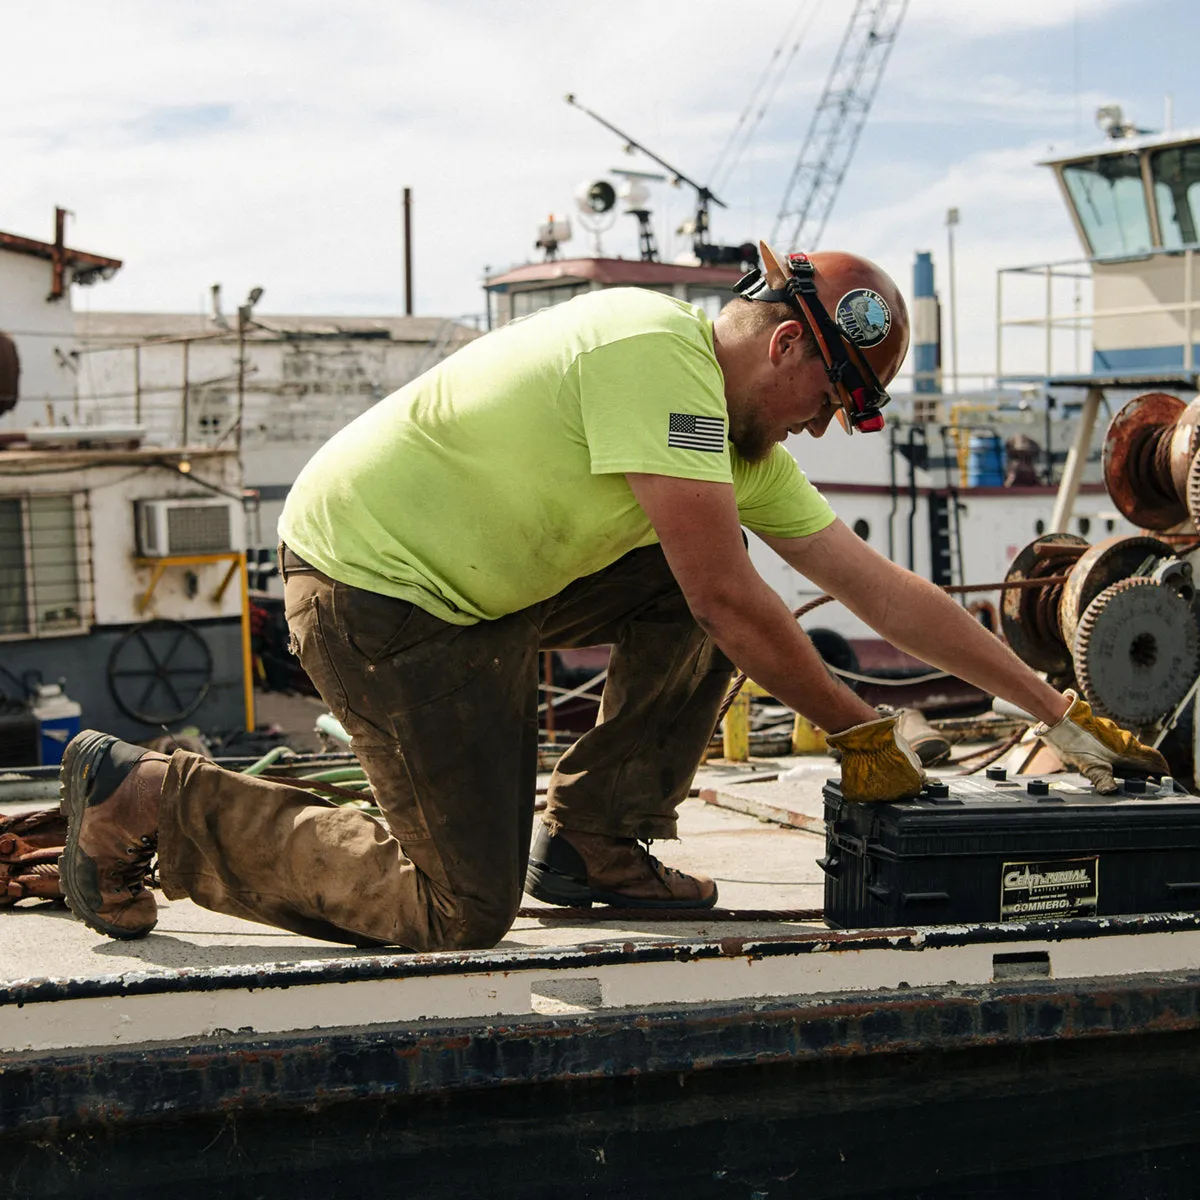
188,525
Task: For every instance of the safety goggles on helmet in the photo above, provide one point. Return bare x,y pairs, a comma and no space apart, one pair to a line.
855,383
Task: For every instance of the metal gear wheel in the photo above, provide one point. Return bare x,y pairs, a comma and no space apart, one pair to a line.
1105,563
1137,651
1193,491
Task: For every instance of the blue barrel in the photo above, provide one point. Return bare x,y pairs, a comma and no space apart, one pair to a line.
985,460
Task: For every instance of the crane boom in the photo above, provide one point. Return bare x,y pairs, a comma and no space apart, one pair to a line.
837,121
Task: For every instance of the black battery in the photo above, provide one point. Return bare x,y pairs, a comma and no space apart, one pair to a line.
1031,848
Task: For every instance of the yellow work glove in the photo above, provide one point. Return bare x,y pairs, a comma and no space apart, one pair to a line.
1095,745
877,763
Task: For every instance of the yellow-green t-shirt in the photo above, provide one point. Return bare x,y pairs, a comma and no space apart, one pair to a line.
498,478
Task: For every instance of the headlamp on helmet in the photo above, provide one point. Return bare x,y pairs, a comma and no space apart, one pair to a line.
862,319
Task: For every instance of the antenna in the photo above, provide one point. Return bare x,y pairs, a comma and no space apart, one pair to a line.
704,197
635,195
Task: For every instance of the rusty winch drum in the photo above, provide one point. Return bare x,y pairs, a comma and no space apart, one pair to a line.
1150,461
1122,626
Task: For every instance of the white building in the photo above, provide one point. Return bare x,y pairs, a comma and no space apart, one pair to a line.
140,455
272,387
120,565
120,575
38,359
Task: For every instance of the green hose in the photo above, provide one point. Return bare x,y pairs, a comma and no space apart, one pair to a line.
329,725
269,759
335,774
354,777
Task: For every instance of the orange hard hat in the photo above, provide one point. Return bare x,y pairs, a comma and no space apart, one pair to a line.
857,317
866,303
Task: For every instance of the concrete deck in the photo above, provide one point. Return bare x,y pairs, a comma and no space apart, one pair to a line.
758,865
212,1019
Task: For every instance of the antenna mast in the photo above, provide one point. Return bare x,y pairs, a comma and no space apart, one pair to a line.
838,120
705,252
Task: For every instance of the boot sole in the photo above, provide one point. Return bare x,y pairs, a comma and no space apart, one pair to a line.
81,755
553,887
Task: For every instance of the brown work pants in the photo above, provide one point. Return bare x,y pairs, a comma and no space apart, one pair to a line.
444,721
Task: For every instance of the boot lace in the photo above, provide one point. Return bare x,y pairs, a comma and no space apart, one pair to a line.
136,871
659,868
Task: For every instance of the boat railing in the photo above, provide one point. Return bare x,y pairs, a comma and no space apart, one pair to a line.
1056,300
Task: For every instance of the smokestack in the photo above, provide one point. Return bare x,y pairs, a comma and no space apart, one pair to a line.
927,327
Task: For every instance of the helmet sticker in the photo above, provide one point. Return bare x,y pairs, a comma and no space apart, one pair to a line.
864,317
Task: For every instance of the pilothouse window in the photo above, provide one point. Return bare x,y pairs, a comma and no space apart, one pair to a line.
1176,174
533,299
1111,203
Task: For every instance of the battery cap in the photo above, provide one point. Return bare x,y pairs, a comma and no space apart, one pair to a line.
937,790
997,773
1038,787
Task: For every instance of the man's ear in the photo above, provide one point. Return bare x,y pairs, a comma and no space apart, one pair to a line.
787,338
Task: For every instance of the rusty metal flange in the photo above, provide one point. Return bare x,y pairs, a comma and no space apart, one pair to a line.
1137,459
1137,651
1185,441
1100,566
1029,616
1193,491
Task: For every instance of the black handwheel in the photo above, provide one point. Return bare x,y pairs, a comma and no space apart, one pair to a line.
160,672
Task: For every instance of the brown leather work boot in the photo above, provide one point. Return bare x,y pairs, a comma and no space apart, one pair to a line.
580,869
110,793
931,747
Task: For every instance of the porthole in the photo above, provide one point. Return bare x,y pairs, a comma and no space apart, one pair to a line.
863,529
1085,525
1040,527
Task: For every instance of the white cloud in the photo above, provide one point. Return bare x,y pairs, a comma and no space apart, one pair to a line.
977,20
268,144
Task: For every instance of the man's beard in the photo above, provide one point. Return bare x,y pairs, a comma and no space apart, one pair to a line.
752,441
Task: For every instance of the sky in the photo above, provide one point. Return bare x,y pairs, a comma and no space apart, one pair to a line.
269,144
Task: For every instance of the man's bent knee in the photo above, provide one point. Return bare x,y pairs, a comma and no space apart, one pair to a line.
478,928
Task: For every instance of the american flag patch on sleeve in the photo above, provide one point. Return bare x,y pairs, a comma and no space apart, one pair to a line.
687,431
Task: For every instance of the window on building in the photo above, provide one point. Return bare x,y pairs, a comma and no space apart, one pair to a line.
1176,173
710,299
44,584
533,299
1110,201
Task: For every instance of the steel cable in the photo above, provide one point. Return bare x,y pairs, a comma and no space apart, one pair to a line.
703,915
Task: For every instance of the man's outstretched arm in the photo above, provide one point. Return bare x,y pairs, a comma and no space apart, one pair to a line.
917,617
920,618
697,524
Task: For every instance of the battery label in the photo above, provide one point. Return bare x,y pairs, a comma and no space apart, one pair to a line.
1065,887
